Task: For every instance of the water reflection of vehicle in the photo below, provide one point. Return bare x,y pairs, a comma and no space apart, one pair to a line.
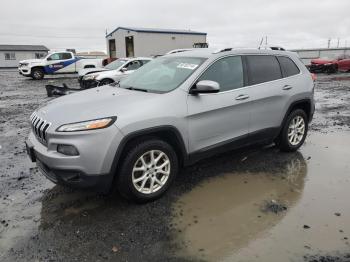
223,213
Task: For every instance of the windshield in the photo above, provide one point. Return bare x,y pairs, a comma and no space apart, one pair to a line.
162,74
116,64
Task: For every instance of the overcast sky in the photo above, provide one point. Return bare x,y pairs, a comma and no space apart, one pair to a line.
81,24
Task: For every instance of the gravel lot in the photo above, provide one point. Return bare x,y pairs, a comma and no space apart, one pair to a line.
251,205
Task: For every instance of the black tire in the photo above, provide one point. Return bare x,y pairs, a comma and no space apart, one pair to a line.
332,69
105,82
37,73
124,181
283,142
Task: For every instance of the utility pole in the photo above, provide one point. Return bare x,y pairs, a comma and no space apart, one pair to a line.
329,42
261,42
338,43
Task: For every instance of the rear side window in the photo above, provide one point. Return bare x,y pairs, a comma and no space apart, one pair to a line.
228,72
263,68
289,68
65,56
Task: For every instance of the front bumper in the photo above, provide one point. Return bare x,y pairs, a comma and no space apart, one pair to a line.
24,70
85,84
92,168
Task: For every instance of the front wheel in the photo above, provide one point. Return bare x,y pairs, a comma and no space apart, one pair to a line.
105,82
37,73
294,131
147,171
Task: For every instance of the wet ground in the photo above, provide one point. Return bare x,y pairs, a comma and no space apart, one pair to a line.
251,205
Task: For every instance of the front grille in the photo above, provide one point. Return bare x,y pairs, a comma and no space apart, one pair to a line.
39,127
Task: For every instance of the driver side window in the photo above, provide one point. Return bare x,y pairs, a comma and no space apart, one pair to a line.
55,56
133,65
228,72
60,56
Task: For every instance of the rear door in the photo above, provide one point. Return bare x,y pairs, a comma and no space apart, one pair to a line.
220,118
270,89
344,65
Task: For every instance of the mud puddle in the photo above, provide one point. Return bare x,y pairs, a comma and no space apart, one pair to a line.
224,218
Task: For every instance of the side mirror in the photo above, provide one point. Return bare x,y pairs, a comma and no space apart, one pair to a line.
124,69
205,87
49,58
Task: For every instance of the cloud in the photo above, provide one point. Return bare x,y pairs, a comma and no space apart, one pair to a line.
81,24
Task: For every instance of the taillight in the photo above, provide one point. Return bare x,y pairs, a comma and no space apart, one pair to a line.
314,77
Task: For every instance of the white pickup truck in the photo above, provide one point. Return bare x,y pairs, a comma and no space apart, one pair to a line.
56,63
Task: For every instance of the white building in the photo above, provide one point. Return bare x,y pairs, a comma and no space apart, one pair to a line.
93,54
133,42
306,55
10,55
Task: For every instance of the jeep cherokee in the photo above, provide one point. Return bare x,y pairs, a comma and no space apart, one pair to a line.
135,135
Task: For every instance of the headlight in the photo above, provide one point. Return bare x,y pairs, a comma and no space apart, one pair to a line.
90,77
87,125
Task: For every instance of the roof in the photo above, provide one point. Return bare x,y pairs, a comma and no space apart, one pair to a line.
23,48
157,31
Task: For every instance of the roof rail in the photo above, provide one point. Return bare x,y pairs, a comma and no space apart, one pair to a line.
223,50
277,48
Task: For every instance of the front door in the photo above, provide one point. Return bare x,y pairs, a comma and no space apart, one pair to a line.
129,45
60,63
220,118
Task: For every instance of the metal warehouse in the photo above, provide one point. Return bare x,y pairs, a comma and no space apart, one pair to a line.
10,55
133,42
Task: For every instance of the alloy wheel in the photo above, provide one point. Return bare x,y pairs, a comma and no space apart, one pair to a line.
296,130
151,171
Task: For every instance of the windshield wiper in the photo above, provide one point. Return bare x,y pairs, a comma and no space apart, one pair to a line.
136,89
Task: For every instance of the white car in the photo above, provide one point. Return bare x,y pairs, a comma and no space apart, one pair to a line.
122,67
56,63
111,66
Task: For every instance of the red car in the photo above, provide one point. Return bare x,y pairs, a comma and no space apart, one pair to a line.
341,63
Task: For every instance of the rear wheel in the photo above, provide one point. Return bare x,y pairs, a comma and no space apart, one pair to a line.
147,171
37,73
294,131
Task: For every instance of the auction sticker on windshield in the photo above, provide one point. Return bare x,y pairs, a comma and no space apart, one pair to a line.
187,66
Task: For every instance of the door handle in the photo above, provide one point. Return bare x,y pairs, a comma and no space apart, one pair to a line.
287,87
242,97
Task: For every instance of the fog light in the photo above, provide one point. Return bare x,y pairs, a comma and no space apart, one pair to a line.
68,150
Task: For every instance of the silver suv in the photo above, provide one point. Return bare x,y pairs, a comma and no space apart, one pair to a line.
136,134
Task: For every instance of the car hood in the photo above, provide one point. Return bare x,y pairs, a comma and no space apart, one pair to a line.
93,104
109,73
86,71
31,61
